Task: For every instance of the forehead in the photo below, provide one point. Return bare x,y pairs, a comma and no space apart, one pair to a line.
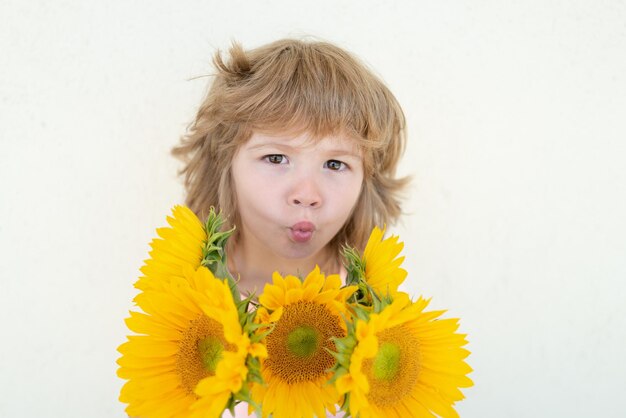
330,143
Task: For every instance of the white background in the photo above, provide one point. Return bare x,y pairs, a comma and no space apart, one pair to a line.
515,219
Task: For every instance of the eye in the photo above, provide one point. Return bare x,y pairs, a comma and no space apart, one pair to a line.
335,165
275,159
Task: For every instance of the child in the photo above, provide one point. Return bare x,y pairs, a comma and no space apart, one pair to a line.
297,143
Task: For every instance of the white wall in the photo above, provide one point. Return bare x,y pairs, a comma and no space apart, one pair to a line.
516,215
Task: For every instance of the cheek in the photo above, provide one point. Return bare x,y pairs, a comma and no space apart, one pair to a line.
256,196
346,197
245,182
252,189
354,198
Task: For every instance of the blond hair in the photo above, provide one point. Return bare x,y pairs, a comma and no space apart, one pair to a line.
296,86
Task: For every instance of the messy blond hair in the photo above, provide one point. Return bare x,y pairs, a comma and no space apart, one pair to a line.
295,86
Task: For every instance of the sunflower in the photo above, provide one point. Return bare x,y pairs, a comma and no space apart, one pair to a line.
179,246
382,264
304,317
187,243
379,269
401,362
191,355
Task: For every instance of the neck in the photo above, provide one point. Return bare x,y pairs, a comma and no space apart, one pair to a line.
254,268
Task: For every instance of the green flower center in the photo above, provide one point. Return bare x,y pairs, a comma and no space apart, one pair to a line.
303,341
298,346
199,351
387,361
393,372
210,350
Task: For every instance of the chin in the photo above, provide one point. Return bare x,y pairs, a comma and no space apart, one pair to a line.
298,251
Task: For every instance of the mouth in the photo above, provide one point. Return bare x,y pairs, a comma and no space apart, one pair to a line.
301,231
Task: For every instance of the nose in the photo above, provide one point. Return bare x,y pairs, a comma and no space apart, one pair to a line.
305,192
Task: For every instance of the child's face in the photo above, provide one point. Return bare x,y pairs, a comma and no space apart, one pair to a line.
293,194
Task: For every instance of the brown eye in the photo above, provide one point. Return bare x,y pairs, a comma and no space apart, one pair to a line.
275,158
334,165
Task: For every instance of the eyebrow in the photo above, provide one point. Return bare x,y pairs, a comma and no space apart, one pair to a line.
330,151
270,145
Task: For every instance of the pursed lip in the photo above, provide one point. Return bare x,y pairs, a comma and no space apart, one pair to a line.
305,226
301,232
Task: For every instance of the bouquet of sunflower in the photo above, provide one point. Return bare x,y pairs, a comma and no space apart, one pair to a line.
304,348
